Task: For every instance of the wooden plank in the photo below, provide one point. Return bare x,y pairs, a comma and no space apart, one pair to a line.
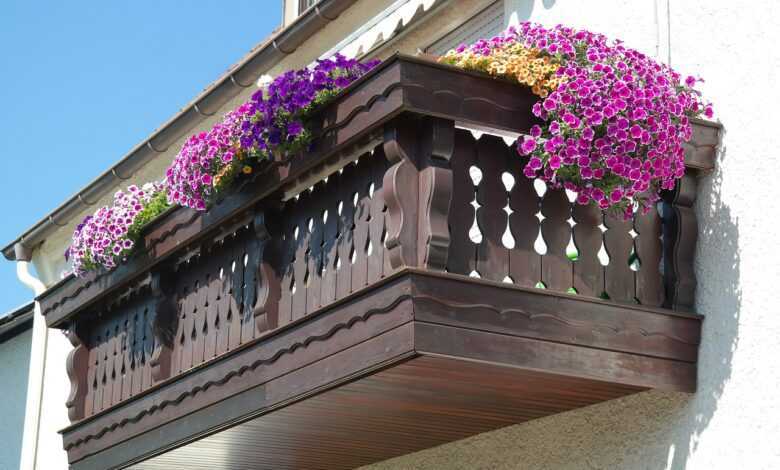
556,266
492,255
463,252
648,280
618,277
525,264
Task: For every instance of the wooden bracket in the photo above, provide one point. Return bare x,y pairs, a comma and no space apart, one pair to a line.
418,191
266,305
77,365
680,231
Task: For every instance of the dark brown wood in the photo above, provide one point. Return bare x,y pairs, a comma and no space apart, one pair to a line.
525,264
492,255
556,266
461,258
648,280
618,277
588,273
680,231
77,366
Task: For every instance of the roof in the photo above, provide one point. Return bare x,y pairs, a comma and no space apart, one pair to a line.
14,322
237,78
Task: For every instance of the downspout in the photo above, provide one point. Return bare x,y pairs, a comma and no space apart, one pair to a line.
32,415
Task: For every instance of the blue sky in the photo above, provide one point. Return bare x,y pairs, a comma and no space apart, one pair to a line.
81,83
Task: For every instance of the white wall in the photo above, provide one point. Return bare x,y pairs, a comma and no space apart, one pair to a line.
14,361
733,421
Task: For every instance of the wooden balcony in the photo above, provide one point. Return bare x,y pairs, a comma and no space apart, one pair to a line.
380,295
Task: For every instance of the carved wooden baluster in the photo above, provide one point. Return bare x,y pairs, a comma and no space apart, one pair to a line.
647,245
492,255
315,228
199,314
127,378
525,264
235,272
400,190
618,277
77,366
588,271
376,225
89,399
164,326
462,257
346,231
285,265
138,350
110,374
680,231
266,306
330,235
119,357
301,260
100,367
362,217
249,263
556,266
223,278
213,321
148,348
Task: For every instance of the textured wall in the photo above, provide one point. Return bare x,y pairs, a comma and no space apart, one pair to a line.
15,357
733,421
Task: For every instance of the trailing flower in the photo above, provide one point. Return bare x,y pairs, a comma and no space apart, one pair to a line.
109,235
272,122
614,119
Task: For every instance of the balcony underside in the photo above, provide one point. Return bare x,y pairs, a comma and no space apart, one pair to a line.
418,360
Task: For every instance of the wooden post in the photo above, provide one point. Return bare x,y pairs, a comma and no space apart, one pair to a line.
418,191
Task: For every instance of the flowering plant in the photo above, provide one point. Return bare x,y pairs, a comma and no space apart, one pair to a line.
271,123
108,236
614,120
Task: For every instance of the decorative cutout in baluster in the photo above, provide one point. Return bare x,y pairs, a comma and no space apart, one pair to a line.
77,366
525,264
492,256
680,231
462,255
647,245
618,277
588,271
266,306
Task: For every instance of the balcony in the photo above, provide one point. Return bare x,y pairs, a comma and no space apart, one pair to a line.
382,294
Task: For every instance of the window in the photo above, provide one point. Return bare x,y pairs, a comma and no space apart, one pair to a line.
485,24
304,5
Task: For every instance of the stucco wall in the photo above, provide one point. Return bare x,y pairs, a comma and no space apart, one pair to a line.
14,362
733,421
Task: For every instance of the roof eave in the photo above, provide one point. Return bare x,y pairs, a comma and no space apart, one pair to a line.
239,77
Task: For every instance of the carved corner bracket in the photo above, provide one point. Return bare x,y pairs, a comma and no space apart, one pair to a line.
418,191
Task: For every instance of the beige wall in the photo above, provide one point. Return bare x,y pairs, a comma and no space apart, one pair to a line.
733,420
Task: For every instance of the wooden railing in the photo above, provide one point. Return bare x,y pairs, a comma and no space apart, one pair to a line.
392,184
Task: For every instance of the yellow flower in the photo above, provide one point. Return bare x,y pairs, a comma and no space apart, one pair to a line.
247,169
